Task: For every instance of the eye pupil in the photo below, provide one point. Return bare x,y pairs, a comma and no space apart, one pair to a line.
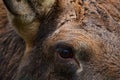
65,52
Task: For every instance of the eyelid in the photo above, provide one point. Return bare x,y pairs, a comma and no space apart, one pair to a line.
64,51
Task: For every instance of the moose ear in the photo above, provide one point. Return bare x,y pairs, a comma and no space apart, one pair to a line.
23,18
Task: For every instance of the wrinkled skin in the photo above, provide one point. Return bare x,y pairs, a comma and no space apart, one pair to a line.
89,30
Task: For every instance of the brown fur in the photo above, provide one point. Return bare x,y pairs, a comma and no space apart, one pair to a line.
3,17
91,28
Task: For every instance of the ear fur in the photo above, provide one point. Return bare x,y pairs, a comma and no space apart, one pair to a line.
23,16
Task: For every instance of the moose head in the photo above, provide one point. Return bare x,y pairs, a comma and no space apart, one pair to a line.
66,39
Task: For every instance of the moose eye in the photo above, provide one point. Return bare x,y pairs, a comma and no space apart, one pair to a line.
65,51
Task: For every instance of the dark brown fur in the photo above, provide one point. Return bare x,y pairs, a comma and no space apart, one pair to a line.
90,27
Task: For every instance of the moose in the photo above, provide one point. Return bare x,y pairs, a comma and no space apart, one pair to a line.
60,40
